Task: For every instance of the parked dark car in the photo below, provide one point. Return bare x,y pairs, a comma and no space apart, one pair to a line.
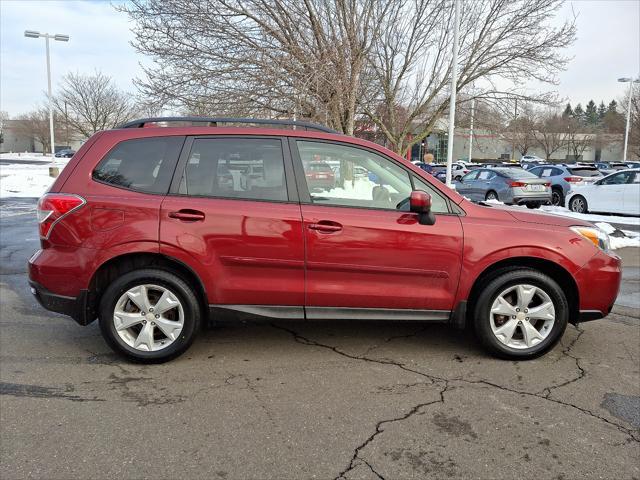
152,230
508,185
66,153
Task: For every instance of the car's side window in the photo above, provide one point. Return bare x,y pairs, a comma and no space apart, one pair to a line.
438,201
618,179
546,172
351,176
470,176
143,164
486,175
250,168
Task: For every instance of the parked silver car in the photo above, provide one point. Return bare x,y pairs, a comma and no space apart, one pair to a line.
508,185
563,177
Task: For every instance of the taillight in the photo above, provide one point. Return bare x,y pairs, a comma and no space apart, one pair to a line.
547,184
518,184
53,207
573,179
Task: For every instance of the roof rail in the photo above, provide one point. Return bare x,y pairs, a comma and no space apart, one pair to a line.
216,120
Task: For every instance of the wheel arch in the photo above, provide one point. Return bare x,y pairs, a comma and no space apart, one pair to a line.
121,264
558,273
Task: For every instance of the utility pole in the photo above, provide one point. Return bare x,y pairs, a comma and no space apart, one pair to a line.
626,130
473,104
60,38
452,95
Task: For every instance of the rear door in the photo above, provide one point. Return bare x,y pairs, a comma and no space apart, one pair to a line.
233,215
366,254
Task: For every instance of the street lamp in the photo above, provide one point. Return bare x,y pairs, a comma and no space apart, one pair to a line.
630,81
59,38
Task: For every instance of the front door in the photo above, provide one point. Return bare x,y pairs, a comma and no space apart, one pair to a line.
231,217
366,254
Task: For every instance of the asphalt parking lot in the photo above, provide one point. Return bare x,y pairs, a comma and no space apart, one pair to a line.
310,400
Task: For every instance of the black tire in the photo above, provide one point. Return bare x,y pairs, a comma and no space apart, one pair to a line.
491,195
533,205
579,204
494,288
557,197
458,178
186,295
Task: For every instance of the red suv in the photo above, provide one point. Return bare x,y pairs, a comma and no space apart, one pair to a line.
153,229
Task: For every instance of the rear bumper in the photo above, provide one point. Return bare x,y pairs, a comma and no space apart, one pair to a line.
533,198
74,307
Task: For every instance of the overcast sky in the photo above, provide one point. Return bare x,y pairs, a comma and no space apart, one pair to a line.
608,47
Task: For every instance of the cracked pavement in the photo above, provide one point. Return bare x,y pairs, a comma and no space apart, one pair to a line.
296,400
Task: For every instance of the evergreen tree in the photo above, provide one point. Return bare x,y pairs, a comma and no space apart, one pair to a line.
568,111
578,113
591,113
602,110
613,107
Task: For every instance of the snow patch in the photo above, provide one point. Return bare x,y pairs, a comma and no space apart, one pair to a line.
25,180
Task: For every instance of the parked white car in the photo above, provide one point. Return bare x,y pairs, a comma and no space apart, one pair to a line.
618,192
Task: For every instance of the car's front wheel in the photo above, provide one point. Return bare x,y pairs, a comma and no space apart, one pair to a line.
521,314
149,315
578,204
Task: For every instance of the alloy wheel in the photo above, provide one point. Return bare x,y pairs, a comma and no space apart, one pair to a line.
578,205
148,317
522,316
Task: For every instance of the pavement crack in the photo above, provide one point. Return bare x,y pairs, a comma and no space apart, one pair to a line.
378,430
631,433
546,392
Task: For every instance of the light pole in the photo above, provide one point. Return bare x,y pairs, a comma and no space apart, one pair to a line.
59,38
454,86
630,81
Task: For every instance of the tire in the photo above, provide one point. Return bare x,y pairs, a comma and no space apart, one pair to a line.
557,197
180,320
458,178
518,347
491,195
579,204
533,205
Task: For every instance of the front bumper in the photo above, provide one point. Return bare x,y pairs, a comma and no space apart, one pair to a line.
74,307
598,285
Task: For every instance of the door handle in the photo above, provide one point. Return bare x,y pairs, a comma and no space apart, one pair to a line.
187,215
325,226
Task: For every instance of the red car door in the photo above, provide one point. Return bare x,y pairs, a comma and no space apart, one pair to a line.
365,252
232,219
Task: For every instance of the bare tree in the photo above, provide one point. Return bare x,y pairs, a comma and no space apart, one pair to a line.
90,103
578,137
266,57
501,42
35,125
4,116
550,134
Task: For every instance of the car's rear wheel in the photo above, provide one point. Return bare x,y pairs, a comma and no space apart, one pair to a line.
557,197
521,314
491,195
578,204
149,315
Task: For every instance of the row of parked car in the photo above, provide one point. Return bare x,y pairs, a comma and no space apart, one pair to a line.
608,187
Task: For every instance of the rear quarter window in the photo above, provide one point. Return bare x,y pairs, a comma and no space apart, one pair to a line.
142,164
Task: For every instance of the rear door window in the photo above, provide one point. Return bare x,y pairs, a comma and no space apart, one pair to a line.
240,168
143,164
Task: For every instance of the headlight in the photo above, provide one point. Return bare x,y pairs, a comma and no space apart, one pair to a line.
596,236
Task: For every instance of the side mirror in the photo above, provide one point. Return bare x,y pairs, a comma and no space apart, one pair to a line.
420,203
